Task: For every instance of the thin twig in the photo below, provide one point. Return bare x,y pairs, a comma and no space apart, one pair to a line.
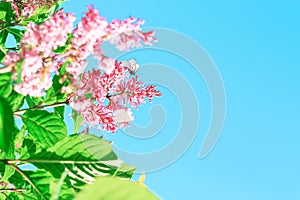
9,25
27,179
13,48
40,107
13,190
5,69
17,115
19,191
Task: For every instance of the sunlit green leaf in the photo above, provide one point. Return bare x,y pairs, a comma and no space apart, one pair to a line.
29,101
5,85
15,100
45,127
107,188
53,94
37,100
9,171
6,128
19,137
3,36
43,180
60,111
6,138
77,120
29,147
83,157
6,12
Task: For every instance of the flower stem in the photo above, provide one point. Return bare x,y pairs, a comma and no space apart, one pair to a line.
41,107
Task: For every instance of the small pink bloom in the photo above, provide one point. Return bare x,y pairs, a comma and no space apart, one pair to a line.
127,34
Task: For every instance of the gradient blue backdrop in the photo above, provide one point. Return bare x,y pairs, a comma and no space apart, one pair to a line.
255,45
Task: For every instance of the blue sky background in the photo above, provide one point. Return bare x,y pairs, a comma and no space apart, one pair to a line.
255,46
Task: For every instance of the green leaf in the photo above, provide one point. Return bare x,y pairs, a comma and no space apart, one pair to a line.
37,100
77,120
3,51
29,147
43,180
9,171
15,100
6,12
6,128
3,36
60,49
29,101
3,48
33,101
106,188
60,111
5,84
3,196
20,196
53,94
6,138
83,157
39,16
84,146
19,136
19,182
51,100
56,7
45,127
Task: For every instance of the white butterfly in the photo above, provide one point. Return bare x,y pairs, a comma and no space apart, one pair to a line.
131,65
123,115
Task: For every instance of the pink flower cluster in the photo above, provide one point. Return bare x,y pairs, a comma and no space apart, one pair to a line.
104,96
87,39
36,52
106,99
40,41
48,36
135,91
93,30
127,34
